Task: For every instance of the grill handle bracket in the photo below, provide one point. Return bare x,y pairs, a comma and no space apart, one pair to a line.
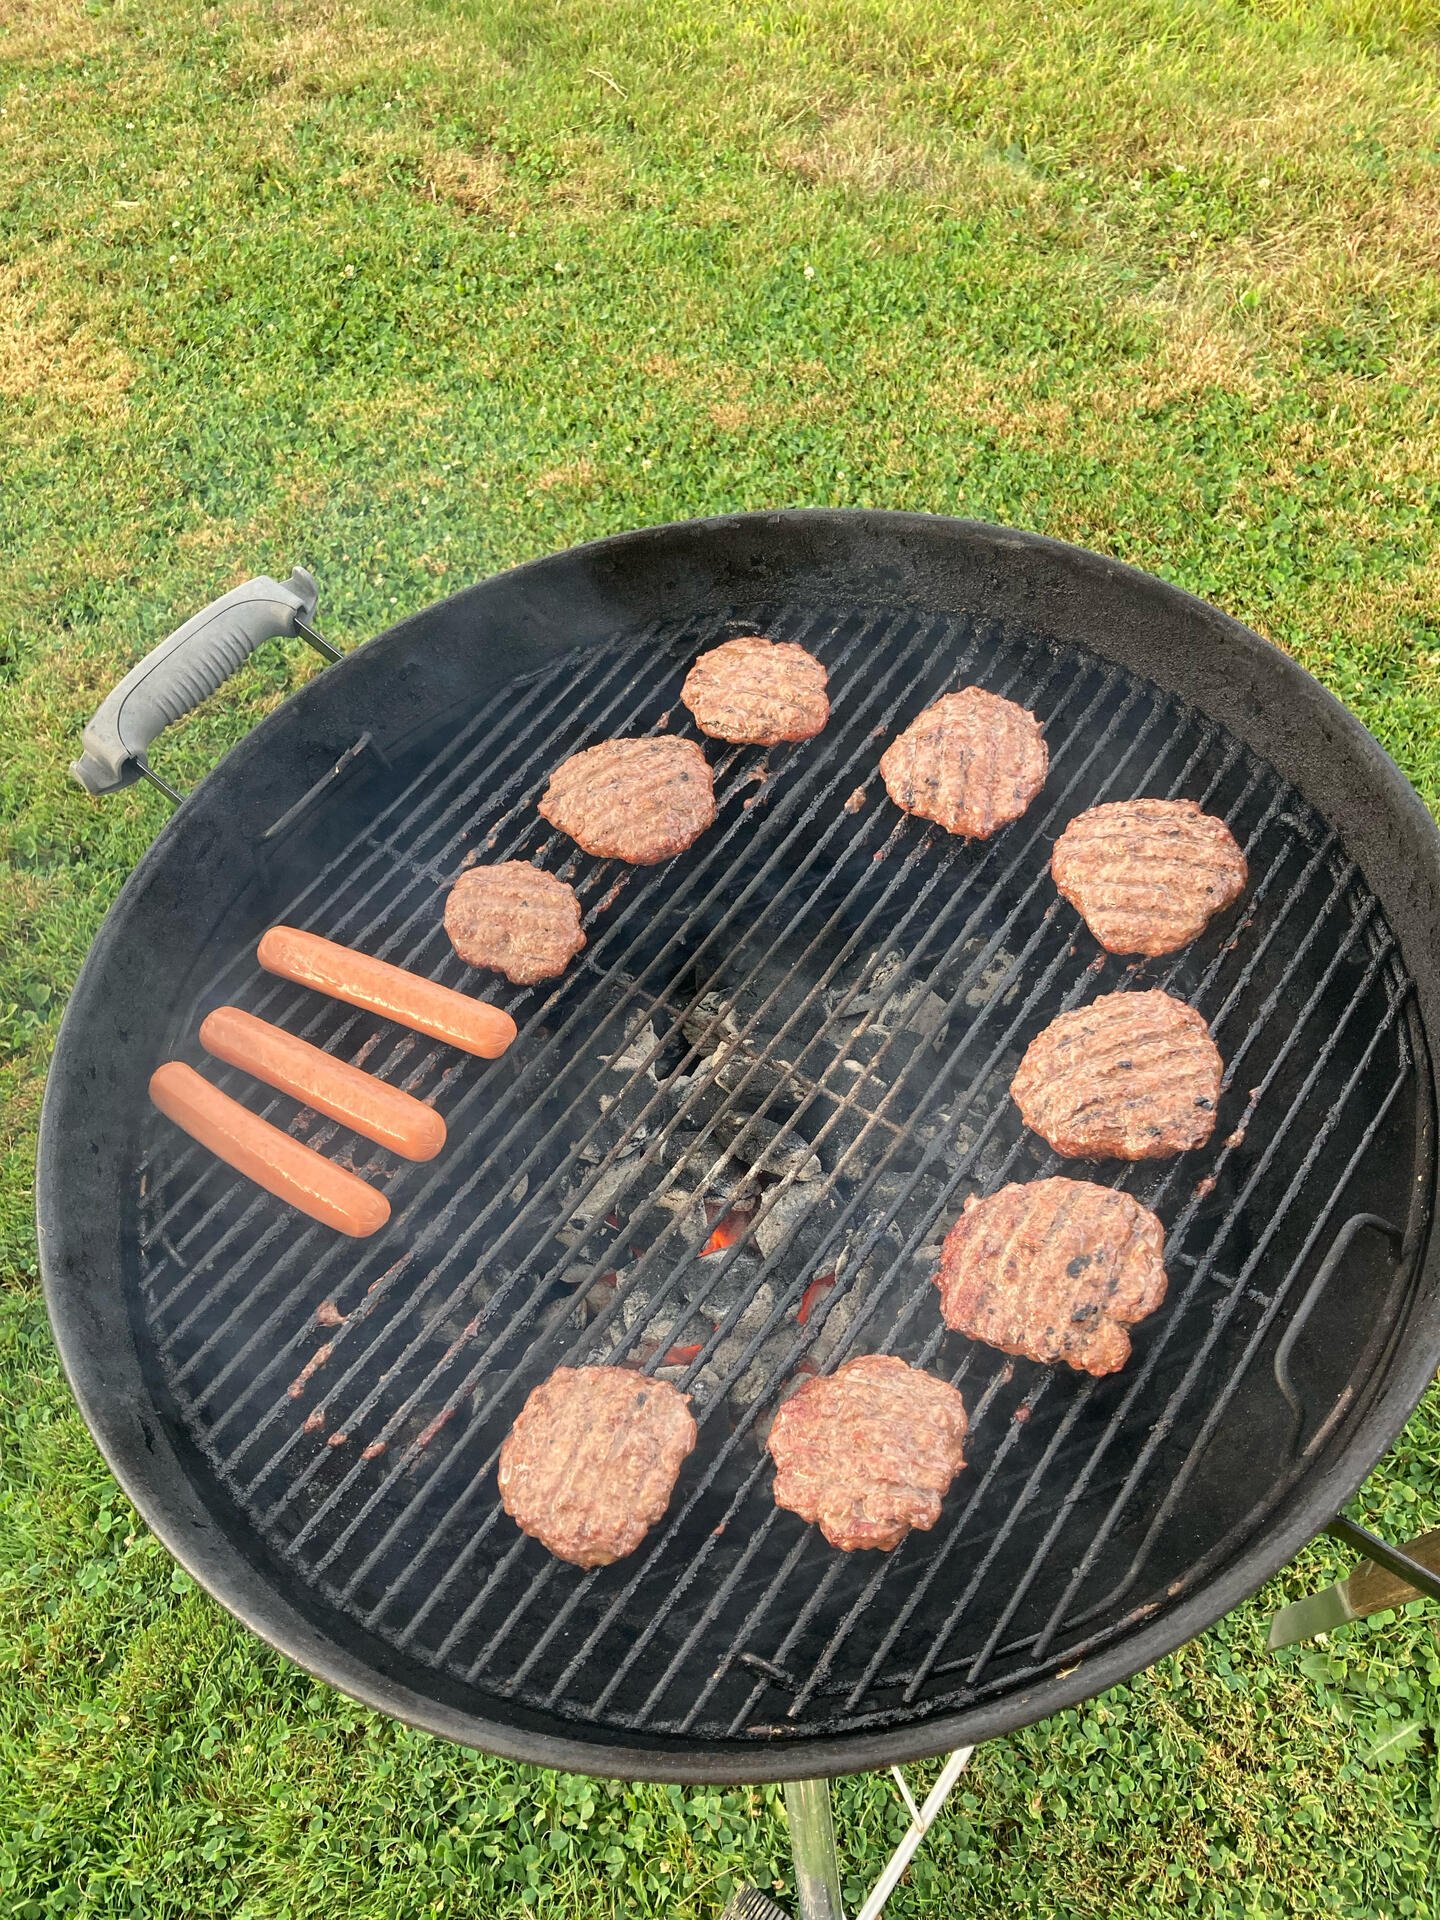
1403,1564
186,668
1386,1577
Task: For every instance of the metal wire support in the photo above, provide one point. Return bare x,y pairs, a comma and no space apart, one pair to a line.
172,794
922,1818
812,1841
317,640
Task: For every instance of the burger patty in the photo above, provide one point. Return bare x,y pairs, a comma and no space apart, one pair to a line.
869,1451
513,917
757,692
638,800
1054,1270
591,1461
1146,875
972,763
1133,1076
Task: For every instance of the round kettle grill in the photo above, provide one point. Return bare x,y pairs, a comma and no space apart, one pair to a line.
725,1146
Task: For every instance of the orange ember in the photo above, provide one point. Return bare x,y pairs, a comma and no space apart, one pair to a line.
727,1230
820,1285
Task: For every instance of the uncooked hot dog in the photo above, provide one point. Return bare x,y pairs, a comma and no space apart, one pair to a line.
355,1098
285,1167
472,1025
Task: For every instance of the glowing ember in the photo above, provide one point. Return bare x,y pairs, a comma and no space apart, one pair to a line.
682,1356
727,1230
821,1284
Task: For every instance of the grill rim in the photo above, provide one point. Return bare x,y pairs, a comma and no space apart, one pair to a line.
1314,743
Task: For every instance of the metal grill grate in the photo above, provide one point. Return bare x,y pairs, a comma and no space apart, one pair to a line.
726,1146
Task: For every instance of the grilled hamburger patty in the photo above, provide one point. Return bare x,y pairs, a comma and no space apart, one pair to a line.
757,692
638,800
1054,1270
1133,1076
591,1461
513,917
972,763
1146,875
869,1451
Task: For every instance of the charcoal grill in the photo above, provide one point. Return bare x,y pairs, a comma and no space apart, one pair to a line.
726,1145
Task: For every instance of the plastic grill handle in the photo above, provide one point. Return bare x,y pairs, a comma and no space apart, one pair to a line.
184,670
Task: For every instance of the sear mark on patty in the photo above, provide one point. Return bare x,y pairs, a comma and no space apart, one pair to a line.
1053,1270
591,1461
1147,875
1133,1076
757,692
638,800
513,917
972,763
869,1451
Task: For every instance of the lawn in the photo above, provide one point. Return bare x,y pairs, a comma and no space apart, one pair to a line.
412,291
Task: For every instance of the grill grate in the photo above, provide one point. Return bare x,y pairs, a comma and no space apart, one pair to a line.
725,1147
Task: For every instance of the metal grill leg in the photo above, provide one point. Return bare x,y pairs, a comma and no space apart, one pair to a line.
812,1845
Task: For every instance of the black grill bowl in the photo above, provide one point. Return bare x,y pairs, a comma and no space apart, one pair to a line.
798,1039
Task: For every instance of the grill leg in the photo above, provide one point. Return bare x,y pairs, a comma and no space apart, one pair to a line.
812,1844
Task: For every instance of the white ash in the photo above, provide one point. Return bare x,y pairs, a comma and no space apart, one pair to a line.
839,1308
758,1145
640,1052
910,1007
785,1211
757,1371
639,1316
982,994
709,1023
611,1186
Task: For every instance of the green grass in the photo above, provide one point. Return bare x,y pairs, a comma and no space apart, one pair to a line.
413,291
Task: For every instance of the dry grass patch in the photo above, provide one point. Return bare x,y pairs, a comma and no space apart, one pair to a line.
1308,272
592,179
1199,349
1370,613
213,540
54,354
38,30
709,384
571,478
868,151
865,152
1005,404
332,49
731,416
473,182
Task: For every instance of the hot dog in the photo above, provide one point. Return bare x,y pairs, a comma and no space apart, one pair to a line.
472,1025
356,1099
285,1167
